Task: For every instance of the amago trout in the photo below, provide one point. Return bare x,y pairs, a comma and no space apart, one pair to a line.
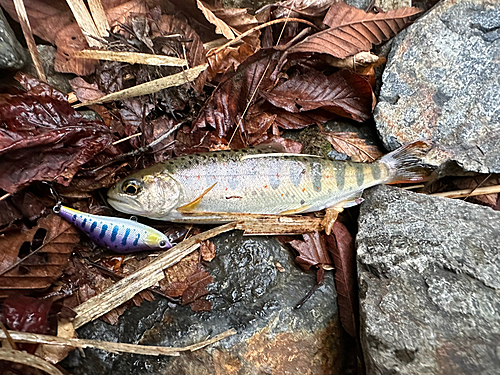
256,181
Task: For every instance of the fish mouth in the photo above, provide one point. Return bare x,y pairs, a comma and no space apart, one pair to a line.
123,206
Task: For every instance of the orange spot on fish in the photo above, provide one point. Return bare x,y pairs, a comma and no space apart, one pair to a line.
278,175
199,177
265,186
227,189
282,194
304,189
327,176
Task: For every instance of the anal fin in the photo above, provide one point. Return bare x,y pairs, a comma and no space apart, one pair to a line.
192,205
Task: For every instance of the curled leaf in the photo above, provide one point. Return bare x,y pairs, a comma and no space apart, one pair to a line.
353,30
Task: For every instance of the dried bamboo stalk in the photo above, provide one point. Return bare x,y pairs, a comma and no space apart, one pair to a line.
131,57
27,359
469,192
150,87
99,17
146,277
113,347
30,41
85,21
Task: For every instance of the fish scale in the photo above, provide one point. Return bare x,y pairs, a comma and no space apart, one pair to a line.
255,181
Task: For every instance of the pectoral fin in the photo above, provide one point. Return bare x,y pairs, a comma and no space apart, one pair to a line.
192,205
296,210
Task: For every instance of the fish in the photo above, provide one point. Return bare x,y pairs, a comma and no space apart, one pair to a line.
116,234
199,188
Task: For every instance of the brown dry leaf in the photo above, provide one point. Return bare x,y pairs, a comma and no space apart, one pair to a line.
353,30
174,283
308,8
312,251
341,246
196,289
343,93
350,144
42,269
207,250
85,91
229,58
220,26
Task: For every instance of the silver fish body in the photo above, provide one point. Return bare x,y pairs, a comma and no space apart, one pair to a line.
253,181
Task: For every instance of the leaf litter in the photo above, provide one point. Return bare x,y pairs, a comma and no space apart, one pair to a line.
248,96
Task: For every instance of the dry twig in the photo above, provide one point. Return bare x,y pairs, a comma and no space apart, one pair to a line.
131,57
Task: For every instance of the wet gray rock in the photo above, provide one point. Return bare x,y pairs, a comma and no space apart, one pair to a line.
251,295
441,83
11,51
429,287
47,56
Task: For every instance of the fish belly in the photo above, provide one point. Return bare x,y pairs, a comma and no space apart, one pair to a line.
273,185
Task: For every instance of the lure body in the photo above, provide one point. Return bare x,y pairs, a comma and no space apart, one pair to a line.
116,234
256,181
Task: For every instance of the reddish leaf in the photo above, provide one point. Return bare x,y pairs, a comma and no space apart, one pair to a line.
341,246
312,251
223,110
290,120
353,30
44,267
289,145
197,283
26,314
85,91
352,145
342,93
43,138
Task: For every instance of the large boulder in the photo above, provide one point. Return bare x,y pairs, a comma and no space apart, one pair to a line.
253,294
429,284
441,83
11,52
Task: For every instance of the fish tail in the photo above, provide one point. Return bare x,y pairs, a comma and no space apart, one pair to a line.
405,163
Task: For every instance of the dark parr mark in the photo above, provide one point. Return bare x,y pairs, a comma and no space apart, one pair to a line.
316,176
103,231
124,239
360,176
376,173
340,175
114,233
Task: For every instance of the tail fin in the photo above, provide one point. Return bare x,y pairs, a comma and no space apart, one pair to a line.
405,164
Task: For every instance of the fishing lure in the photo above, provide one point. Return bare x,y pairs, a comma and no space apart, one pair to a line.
116,234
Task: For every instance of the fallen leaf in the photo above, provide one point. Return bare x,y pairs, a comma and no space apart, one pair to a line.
26,314
196,289
312,251
54,236
222,112
207,250
220,26
342,93
174,283
43,138
289,145
308,8
353,30
341,245
85,91
350,144
229,58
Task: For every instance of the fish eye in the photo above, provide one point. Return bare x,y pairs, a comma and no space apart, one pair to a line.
163,243
131,187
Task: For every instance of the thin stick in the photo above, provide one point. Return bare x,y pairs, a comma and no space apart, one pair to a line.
10,342
257,28
5,196
126,139
125,289
99,16
85,21
477,186
27,359
28,35
471,192
151,86
131,57
114,347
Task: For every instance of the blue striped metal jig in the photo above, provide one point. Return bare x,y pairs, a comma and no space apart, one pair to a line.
116,234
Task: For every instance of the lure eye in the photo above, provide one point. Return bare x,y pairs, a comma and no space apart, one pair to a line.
131,187
163,243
